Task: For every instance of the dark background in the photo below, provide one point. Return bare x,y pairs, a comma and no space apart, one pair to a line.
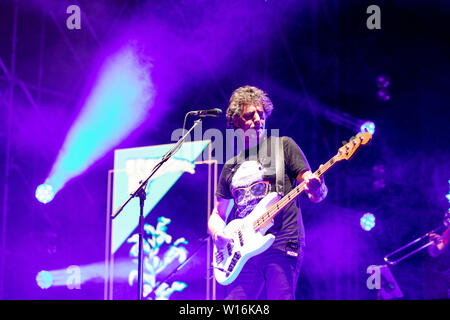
318,62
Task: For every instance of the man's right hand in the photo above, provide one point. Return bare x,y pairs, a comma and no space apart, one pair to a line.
216,223
221,239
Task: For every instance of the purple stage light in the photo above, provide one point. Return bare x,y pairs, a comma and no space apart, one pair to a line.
379,184
383,95
368,126
383,81
367,221
378,172
44,193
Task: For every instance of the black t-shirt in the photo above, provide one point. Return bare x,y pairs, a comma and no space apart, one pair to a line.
252,167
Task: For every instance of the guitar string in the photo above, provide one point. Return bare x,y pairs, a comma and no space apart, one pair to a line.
275,208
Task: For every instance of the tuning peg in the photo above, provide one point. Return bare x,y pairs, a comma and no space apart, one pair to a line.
344,142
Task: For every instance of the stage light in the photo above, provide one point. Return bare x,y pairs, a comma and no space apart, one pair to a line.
74,276
378,176
383,95
368,126
448,194
383,81
367,221
118,103
45,193
44,279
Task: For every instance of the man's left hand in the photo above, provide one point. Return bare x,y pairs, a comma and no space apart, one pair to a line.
314,186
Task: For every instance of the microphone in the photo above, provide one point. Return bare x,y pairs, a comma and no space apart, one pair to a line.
207,113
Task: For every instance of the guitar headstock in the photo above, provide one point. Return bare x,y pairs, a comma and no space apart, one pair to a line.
349,149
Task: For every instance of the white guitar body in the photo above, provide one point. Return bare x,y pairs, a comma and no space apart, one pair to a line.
245,243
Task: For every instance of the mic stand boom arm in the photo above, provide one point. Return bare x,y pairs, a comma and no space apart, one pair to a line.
140,192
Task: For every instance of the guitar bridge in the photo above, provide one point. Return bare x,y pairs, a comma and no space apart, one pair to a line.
222,270
229,248
219,257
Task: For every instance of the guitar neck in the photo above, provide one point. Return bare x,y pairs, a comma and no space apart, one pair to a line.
283,202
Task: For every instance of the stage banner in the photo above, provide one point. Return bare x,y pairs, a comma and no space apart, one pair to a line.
176,244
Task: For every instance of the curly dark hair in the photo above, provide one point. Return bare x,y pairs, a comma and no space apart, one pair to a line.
247,95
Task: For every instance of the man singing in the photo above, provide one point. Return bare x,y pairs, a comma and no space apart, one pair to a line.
245,180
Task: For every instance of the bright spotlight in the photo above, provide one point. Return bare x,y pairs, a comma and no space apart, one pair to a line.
367,221
368,126
73,276
117,104
44,193
44,279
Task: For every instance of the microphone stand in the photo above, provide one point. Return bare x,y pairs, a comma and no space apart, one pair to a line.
140,192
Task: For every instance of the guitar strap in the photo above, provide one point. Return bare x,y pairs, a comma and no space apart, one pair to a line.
279,164
271,156
291,249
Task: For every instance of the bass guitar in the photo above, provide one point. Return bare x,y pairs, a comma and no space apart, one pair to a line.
248,235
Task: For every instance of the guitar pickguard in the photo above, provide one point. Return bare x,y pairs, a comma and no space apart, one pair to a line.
246,242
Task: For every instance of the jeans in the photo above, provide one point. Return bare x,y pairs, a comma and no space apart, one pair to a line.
271,275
